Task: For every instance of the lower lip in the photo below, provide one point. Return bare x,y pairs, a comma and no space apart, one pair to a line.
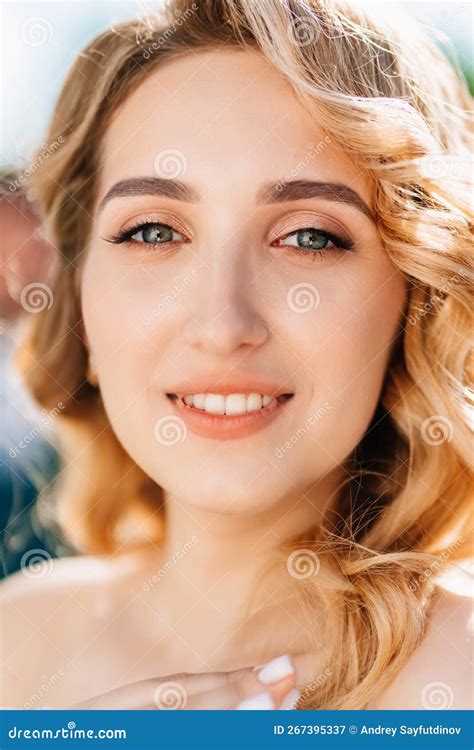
227,427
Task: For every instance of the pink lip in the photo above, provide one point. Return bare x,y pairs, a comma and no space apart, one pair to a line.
227,427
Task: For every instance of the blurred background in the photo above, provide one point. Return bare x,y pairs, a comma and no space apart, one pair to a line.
39,41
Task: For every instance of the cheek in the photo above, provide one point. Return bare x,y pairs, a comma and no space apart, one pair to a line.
343,347
126,312
335,343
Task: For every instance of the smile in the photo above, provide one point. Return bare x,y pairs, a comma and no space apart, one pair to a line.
231,404
230,415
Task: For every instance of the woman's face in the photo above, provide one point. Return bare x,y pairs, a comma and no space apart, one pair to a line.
201,277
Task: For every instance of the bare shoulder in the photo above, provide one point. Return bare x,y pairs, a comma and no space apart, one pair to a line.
50,578
439,673
35,591
48,612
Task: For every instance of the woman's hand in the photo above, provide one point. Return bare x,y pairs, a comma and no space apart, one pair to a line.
268,687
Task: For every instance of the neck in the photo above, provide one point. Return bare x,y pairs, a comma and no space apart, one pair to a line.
210,564
238,542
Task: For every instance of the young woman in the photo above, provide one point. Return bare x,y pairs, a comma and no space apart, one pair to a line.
259,339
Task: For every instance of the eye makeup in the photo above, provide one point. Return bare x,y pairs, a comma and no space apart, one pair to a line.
152,231
311,238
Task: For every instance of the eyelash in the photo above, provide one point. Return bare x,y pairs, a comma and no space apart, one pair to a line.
340,244
126,236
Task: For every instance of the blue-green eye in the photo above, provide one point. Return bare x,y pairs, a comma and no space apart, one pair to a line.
155,234
312,240
148,233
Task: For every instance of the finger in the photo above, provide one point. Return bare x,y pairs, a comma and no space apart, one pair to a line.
207,681
263,688
278,676
171,691
221,699
235,694
281,678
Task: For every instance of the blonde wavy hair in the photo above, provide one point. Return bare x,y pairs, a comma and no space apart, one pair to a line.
386,92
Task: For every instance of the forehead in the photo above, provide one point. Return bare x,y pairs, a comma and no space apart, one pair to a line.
223,117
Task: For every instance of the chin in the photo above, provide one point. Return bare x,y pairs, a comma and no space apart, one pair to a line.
228,503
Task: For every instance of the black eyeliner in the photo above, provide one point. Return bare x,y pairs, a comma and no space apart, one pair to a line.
338,242
127,234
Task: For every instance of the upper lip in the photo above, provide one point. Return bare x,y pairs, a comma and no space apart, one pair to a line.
226,385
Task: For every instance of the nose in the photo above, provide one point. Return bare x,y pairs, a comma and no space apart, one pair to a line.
222,319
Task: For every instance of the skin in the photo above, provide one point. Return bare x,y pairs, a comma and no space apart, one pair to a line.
26,257
232,318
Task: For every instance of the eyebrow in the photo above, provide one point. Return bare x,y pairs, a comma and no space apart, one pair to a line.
270,192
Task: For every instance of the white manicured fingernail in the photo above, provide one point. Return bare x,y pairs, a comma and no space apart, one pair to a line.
276,670
259,702
290,701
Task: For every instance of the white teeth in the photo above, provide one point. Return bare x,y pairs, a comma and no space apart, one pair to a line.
215,403
199,400
232,404
235,403
254,402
